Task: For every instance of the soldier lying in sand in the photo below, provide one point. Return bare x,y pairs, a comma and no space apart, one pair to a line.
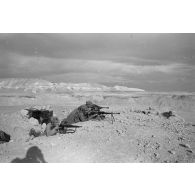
80,114
52,128
86,112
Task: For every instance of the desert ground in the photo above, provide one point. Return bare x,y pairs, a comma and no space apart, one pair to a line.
139,134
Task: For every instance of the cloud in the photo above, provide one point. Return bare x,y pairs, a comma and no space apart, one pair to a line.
166,69
177,48
132,59
36,66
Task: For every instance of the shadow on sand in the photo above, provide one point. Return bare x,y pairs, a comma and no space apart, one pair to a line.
33,155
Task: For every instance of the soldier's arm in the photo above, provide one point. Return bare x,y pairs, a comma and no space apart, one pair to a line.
82,117
51,131
92,116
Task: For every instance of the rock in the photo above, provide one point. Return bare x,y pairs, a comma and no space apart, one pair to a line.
156,155
167,114
190,151
43,127
34,121
180,138
171,151
184,145
24,113
36,108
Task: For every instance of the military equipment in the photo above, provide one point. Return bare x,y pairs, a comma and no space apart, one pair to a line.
42,115
64,127
102,114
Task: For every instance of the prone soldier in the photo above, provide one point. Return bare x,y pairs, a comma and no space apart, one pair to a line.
86,112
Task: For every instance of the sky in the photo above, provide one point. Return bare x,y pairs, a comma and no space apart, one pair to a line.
153,62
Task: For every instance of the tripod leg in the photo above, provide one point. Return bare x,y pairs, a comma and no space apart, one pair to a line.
112,118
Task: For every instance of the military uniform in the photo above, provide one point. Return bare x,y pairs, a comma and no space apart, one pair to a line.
80,114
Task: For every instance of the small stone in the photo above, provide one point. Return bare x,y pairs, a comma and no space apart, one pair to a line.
184,145
171,151
180,139
37,107
156,155
190,151
34,121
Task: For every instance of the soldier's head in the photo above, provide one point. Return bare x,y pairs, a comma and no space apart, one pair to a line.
89,103
55,121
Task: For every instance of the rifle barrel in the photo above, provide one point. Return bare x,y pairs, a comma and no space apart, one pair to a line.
104,107
70,126
108,112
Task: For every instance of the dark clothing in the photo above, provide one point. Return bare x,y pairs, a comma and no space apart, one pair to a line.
83,113
4,137
80,114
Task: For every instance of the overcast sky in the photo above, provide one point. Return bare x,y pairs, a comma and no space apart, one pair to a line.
155,62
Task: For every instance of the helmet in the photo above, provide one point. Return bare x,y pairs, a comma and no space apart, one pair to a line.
54,120
89,103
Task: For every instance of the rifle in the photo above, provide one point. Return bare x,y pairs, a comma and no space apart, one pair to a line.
63,127
102,113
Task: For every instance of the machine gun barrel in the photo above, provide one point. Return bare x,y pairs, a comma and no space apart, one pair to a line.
70,126
101,107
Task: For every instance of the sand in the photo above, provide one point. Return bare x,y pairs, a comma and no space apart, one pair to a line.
135,136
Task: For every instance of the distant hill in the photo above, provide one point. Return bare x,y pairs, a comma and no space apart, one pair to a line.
39,85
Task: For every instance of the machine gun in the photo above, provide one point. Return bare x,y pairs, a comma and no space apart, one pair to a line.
102,114
63,128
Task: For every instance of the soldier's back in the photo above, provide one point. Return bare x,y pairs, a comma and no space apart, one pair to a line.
73,117
77,115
